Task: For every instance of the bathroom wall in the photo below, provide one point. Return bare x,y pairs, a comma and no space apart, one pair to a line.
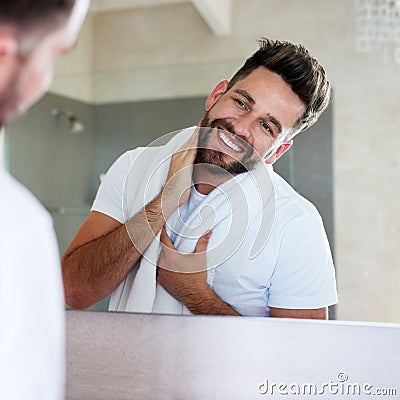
73,71
308,167
124,126
55,164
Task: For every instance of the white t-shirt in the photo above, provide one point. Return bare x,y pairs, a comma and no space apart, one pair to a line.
296,269
32,334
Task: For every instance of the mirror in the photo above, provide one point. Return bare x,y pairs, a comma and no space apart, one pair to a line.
142,69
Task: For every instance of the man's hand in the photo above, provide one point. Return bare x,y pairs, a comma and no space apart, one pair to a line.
179,179
184,276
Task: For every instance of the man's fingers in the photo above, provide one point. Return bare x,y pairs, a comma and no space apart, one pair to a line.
165,240
190,146
184,157
193,141
202,243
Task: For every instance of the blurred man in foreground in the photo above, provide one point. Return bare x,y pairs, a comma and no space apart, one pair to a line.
33,33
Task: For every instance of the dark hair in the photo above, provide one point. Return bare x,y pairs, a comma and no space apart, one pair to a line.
27,13
299,69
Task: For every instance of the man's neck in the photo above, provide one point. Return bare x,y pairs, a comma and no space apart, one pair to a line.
205,182
2,150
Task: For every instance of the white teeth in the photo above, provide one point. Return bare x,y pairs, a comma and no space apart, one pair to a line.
226,140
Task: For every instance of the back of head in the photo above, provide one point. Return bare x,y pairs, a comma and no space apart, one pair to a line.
33,33
299,69
31,13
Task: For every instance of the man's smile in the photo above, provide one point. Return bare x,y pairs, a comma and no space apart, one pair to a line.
228,142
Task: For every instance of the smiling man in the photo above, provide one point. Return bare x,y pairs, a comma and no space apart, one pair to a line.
250,122
33,33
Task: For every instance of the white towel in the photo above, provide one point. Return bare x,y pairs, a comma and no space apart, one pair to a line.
228,210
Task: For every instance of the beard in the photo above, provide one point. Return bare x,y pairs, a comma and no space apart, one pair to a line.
218,162
7,106
11,101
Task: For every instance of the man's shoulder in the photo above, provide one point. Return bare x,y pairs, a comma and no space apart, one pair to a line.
18,205
289,202
155,153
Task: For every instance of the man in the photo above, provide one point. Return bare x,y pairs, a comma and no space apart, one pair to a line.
280,91
33,34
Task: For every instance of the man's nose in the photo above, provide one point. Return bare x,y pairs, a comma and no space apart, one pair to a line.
242,127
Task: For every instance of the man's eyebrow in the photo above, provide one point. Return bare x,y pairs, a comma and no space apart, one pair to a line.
246,95
250,99
275,122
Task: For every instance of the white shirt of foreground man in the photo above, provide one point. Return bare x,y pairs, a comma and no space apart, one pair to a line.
32,335
31,296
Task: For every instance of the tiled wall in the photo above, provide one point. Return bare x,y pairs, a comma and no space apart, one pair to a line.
55,164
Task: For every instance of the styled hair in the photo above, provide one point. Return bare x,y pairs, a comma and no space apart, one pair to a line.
30,13
299,69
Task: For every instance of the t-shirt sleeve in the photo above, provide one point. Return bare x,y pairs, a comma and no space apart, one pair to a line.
304,276
32,342
109,197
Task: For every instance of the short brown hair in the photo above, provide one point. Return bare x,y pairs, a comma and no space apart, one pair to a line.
28,13
299,69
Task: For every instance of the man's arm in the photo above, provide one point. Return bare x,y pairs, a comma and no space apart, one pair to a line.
317,313
184,276
104,250
192,290
102,253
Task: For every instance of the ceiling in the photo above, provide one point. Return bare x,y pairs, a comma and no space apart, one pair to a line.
216,14
111,5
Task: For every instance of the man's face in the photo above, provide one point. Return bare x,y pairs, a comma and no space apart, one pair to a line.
233,158
32,71
252,117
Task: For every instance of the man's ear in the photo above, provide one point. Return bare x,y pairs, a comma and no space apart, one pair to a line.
8,44
8,57
280,151
215,95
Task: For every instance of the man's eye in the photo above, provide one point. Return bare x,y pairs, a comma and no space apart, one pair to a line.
266,126
241,104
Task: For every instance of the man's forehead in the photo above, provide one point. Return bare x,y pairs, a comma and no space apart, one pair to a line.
271,96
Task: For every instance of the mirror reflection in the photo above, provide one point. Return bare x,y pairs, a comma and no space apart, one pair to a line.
132,78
